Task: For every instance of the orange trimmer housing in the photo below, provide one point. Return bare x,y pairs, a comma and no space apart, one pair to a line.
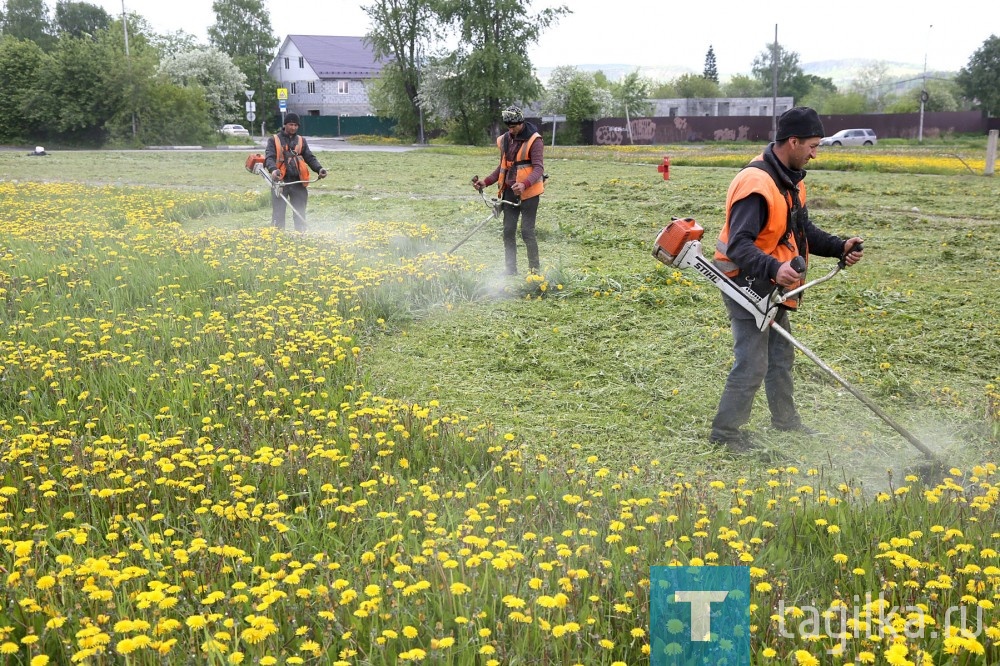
253,161
674,236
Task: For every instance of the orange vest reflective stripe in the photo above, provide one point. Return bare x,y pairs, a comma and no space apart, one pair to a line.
521,166
775,239
279,159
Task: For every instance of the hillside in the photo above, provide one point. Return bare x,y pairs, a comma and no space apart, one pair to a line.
842,72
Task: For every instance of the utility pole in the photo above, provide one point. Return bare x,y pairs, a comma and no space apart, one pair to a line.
774,85
128,59
924,96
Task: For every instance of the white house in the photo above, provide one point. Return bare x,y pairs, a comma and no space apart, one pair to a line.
325,75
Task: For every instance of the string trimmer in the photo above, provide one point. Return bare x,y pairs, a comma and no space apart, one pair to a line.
679,245
255,164
495,204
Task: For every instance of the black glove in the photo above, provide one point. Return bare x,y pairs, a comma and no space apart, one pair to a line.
322,173
478,184
275,175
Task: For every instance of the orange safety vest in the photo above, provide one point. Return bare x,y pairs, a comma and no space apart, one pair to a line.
776,238
280,159
521,166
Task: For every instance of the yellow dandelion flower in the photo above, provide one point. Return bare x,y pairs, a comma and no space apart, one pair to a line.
803,658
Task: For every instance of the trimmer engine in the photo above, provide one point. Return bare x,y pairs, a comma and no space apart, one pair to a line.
679,245
671,240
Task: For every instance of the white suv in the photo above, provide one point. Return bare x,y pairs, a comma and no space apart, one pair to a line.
850,137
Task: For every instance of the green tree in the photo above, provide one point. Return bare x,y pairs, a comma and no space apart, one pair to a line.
833,103
792,81
873,81
631,96
942,95
663,90
170,114
581,104
980,78
170,44
80,19
569,87
711,71
28,19
741,85
690,86
402,31
217,77
492,59
242,30
69,101
20,62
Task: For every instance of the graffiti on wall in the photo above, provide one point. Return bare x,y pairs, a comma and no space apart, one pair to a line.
741,133
643,131
609,135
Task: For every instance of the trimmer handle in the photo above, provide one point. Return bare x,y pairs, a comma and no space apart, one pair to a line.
859,247
798,264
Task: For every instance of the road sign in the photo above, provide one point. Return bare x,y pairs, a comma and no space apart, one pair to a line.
282,105
282,93
251,116
249,94
251,106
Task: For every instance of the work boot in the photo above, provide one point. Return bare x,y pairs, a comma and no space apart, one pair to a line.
801,429
741,443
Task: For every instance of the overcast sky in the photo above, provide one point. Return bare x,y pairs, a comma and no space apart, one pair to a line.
661,33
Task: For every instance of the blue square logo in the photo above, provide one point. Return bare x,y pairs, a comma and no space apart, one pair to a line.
699,615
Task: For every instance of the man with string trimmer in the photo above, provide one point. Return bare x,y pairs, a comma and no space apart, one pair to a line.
288,159
766,237
521,179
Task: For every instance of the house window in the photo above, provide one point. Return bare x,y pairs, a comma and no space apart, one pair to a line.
342,87
311,87
302,62
291,88
286,63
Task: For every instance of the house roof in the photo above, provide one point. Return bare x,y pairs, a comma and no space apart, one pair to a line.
337,57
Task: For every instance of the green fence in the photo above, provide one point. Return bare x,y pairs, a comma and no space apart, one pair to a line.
346,125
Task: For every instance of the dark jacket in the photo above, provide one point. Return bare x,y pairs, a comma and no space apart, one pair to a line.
288,145
749,215
535,155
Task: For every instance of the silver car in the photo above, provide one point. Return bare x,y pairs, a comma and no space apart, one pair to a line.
234,130
850,137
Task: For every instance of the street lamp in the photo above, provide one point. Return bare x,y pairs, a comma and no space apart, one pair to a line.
923,90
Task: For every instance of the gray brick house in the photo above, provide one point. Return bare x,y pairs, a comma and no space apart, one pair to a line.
325,75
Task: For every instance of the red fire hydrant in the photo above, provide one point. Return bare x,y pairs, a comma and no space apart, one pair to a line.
665,167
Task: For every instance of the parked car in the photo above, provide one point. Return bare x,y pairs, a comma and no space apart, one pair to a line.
234,130
850,137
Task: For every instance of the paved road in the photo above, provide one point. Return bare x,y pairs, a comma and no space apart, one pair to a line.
316,143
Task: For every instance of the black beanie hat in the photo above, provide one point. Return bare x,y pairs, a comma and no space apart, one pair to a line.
292,118
800,121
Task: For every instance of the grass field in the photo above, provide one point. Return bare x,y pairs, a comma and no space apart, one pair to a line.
349,447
